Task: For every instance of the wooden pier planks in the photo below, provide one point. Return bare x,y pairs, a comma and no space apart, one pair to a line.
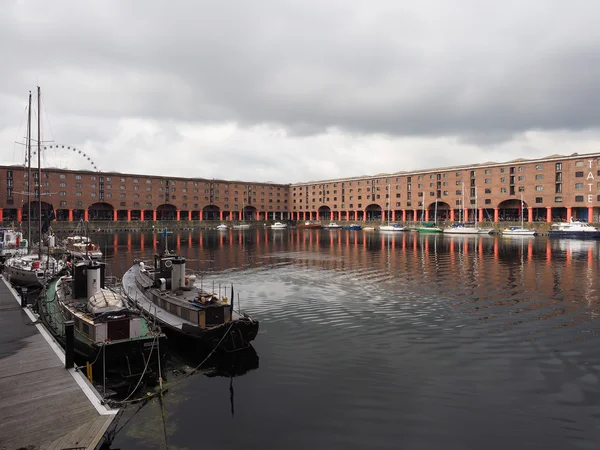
42,405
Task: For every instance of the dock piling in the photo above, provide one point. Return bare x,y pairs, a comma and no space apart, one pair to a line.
69,344
23,293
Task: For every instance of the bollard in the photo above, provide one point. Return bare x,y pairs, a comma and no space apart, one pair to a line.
23,297
69,344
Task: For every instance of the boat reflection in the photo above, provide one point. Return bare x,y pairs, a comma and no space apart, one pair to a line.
223,364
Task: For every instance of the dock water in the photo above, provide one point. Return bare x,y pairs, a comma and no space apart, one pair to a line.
42,404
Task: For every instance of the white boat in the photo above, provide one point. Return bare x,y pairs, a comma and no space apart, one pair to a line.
332,226
574,229
12,243
34,268
392,228
519,231
278,226
460,228
82,247
242,226
31,270
463,228
222,227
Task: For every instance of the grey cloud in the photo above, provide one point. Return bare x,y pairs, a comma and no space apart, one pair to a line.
377,67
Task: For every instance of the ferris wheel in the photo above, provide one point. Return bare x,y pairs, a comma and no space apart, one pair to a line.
80,155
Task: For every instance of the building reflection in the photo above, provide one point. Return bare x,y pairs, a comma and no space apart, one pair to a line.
539,263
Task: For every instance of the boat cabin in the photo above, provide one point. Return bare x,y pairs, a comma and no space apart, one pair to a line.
174,292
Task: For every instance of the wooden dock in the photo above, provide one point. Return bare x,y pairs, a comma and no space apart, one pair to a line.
42,404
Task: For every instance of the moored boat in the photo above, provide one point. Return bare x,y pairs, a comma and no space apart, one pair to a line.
118,342
310,225
222,227
82,247
354,227
279,226
12,243
332,226
460,228
185,311
574,229
392,228
427,227
32,269
518,231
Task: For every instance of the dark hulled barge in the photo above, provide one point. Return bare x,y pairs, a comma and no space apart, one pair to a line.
116,340
184,311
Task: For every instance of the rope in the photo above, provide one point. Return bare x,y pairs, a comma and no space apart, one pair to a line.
145,368
154,394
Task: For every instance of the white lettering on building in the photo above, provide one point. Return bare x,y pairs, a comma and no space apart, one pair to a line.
590,198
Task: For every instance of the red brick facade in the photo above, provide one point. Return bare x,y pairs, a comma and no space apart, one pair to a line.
552,188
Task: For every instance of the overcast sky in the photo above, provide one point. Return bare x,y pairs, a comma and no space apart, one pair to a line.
300,90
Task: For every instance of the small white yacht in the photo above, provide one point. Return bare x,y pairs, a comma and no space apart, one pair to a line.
279,226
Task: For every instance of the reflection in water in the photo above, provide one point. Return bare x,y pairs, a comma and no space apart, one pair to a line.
395,341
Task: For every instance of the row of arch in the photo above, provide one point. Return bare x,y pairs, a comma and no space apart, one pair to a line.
508,210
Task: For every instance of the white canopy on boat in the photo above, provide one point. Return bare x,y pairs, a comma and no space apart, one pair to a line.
105,301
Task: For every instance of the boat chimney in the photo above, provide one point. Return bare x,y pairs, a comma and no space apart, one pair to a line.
93,278
177,273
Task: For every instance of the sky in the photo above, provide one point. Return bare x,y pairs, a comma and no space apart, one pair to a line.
289,91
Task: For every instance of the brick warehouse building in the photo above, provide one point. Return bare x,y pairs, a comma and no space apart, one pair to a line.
553,188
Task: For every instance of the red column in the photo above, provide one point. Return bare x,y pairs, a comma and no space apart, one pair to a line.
331,215
496,215
201,215
1,215
414,215
403,215
142,215
548,214
569,213
221,215
85,215
530,214
190,215
178,214
115,215
452,215
70,215
393,215
426,215
154,215
128,215
257,215
365,216
480,215
590,214
19,215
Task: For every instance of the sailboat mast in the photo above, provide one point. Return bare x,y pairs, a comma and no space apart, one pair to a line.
476,209
39,148
29,175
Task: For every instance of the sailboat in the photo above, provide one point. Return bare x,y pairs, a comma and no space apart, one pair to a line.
461,227
518,231
428,227
35,268
243,225
390,227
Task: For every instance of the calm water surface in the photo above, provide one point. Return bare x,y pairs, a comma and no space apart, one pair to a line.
372,341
